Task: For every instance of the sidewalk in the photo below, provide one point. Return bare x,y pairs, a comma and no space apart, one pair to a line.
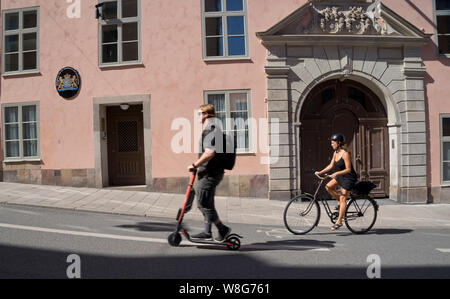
231,209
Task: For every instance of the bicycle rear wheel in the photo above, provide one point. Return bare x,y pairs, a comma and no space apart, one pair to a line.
301,215
361,214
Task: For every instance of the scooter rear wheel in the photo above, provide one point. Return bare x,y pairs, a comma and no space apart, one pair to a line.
233,243
174,239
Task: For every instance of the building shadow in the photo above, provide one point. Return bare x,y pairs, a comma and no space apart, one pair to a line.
284,245
33,263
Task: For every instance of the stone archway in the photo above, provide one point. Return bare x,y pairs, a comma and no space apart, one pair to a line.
302,54
352,109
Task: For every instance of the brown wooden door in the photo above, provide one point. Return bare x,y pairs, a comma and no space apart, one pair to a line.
125,146
373,159
351,109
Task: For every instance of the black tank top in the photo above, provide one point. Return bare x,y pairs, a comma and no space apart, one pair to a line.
341,165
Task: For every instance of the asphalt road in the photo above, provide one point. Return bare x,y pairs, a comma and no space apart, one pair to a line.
52,243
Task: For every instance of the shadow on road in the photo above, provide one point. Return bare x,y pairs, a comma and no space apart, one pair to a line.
150,226
380,231
25,262
389,231
290,245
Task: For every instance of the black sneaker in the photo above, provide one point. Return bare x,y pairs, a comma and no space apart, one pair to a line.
223,234
202,235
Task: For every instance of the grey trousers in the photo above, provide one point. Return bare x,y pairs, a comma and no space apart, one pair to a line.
206,188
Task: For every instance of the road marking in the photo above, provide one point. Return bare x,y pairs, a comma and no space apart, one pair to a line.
278,233
437,234
93,235
21,211
444,250
83,234
269,247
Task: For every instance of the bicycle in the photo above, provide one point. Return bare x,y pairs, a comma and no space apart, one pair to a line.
302,213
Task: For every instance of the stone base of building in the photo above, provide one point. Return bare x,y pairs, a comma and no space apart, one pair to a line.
32,174
280,195
413,195
237,186
440,194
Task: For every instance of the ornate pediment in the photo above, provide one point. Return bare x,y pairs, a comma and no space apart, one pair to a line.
344,18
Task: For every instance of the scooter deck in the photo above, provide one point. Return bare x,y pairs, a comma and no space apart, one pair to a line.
232,241
212,241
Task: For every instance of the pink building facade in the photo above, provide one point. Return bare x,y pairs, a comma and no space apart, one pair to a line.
112,101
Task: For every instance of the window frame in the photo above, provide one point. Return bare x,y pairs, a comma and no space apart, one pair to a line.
21,157
119,22
206,93
442,140
437,13
20,32
224,14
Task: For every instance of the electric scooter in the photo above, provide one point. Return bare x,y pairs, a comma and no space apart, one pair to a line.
232,241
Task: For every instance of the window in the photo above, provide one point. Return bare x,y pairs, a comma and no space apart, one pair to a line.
445,148
21,128
21,41
119,27
232,108
224,29
442,15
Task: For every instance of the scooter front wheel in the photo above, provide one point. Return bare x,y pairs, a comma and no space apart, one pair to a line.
174,239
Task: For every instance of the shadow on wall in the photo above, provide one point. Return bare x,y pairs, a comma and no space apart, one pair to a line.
430,52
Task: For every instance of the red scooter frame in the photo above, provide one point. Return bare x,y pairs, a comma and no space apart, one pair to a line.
232,241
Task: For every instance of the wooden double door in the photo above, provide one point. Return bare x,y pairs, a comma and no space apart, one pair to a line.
349,108
125,137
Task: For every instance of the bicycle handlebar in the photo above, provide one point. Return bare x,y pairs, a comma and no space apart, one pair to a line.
322,178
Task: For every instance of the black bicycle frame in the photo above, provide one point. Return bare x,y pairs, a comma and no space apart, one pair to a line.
324,202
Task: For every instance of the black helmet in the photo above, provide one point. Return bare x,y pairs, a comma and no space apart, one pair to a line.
338,138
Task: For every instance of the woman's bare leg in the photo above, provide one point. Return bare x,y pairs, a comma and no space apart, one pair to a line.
331,189
342,205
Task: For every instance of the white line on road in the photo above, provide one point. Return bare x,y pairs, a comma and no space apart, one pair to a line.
21,211
444,250
83,234
87,234
120,237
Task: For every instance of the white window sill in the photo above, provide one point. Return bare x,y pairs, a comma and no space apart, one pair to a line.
9,160
245,153
118,65
13,74
227,58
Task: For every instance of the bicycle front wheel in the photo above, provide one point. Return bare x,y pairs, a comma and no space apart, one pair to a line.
301,215
360,215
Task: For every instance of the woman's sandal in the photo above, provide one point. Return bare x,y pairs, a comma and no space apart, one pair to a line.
336,226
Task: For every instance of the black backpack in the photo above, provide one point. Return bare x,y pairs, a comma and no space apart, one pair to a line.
227,151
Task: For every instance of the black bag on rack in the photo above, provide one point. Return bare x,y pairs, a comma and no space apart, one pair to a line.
363,188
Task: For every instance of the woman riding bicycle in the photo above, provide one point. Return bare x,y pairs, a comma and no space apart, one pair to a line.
345,177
